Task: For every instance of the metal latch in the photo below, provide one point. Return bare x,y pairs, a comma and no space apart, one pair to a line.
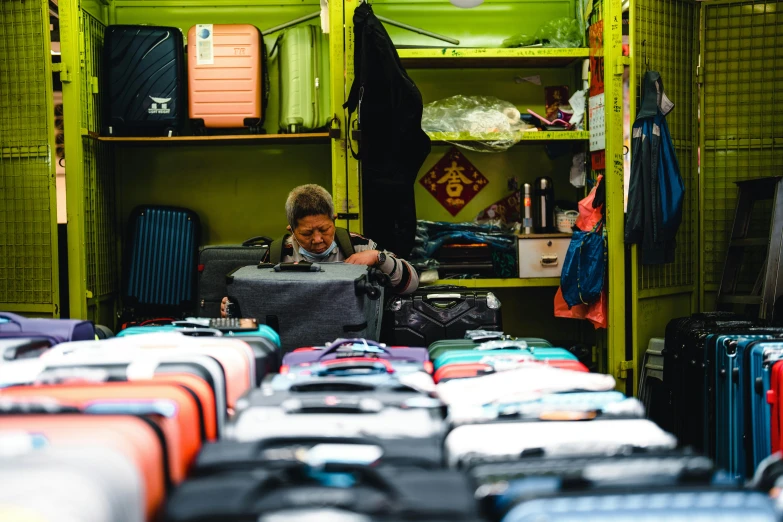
625,367
622,61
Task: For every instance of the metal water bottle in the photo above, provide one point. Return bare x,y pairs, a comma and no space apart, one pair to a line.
544,206
527,202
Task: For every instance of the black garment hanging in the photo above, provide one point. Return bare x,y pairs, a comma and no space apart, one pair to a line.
393,146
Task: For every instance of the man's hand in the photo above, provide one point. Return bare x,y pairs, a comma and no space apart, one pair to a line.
368,258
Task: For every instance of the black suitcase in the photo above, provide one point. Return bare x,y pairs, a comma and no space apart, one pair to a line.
160,272
381,494
439,312
216,262
143,80
230,455
686,372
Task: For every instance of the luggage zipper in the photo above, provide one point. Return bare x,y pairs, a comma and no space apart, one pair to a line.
314,42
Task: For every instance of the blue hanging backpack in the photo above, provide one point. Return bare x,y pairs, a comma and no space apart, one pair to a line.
584,268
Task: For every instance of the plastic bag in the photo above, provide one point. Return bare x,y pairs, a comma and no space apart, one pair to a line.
589,216
596,313
479,123
560,32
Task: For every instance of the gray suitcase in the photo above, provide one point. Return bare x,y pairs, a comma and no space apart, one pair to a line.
70,484
310,304
217,261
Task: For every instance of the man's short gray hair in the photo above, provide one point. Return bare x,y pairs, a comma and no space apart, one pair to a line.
308,200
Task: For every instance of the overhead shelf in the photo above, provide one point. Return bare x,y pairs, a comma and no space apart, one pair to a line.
500,283
530,136
316,137
456,58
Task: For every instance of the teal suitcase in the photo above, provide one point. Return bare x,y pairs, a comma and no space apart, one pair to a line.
438,348
305,101
473,356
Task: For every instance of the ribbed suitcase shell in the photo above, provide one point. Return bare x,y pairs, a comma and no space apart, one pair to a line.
134,437
763,354
187,426
469,370
143,78
448,345
93,484
672,506
161,268
229,91
477,443
305,102
473,356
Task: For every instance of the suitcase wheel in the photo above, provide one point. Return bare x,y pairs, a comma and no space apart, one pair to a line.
199,129
170,132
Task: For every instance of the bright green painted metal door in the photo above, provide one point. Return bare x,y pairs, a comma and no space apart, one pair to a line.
741,111
665,37
28,216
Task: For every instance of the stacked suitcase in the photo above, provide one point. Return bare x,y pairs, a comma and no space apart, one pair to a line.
225,84
186,422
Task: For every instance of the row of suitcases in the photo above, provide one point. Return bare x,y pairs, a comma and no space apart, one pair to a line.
720,388
227,82
187,423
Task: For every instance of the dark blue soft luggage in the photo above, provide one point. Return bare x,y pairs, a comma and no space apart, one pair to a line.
56,330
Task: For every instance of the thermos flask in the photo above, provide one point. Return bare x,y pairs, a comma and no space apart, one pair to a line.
544,206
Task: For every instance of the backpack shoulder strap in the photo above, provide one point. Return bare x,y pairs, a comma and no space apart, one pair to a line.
276,249
344,243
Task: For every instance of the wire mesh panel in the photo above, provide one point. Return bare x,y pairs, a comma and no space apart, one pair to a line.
27,207
743,106
99,203
666,40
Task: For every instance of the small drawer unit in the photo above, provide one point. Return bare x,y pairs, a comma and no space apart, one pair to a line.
542,255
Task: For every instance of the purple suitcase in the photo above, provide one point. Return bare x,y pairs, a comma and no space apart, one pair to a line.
355,348
58,330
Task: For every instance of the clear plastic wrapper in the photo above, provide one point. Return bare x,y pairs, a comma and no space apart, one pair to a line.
560,32
479,123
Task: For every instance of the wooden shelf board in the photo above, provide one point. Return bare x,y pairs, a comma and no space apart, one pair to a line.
455,57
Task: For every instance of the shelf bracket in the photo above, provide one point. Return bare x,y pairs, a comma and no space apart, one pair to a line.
622,62
625,367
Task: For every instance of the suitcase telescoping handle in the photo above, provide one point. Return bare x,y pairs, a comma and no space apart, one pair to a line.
355,363
257,241
361,345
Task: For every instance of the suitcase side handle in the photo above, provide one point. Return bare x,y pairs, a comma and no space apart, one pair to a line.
360,345
302,266
33,344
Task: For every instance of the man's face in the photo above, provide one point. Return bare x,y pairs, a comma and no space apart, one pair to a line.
315,233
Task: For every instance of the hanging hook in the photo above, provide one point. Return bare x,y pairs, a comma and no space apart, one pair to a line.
644,54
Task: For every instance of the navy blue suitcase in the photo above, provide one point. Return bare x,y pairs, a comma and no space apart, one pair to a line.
143,80
160,264
733,396
763,355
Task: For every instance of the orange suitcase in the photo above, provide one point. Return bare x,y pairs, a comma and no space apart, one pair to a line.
227,77
185,425
468,370
135,437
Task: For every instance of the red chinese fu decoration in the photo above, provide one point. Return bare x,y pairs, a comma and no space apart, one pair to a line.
454,181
